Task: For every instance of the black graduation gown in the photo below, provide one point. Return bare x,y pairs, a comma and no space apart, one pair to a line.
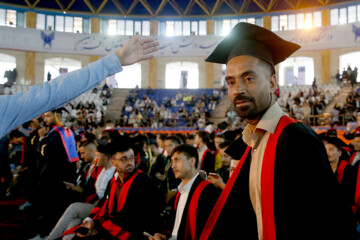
207,200
307,198
208,162
140,212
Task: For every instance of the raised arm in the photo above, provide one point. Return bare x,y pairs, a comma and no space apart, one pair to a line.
22,107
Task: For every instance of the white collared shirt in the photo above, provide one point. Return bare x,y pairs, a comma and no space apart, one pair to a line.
102,180
258,139
184,194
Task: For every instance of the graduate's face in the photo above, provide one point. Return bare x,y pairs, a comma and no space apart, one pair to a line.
169,146
333,153
250,84
356,143
124,162
224,157
102,159
182,166
49,118
218,141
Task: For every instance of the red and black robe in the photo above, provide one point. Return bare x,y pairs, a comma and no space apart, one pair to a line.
201,200
301,197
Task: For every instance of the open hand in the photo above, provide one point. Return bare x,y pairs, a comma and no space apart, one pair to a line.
136,50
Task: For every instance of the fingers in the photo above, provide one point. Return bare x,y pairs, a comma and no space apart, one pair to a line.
146,40
147,57
150,50
150,45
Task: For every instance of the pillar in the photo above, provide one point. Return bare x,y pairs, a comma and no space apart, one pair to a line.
209,67
153,62
30,55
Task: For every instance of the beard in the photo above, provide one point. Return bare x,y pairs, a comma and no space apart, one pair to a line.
248,111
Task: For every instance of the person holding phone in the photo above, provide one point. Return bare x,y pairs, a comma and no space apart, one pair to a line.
195,197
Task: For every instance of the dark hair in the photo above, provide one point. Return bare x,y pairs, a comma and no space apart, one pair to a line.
190,136
205,137
225,144
162,136
173,139
118,146
87,143
188,150
90,136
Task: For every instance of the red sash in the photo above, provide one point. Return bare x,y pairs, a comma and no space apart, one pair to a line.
190,229
108,225
203,158
267,186
267,180
340,170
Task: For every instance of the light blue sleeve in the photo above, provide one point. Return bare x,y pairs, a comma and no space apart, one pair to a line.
22,107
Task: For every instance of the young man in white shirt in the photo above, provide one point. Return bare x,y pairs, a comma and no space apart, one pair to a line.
195,198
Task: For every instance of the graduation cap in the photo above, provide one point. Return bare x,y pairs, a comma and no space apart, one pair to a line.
236,149
252,40
336,142
104,148
60,110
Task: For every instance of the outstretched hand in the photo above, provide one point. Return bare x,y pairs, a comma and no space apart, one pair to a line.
136,50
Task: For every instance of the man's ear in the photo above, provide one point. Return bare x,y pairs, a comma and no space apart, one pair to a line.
273,84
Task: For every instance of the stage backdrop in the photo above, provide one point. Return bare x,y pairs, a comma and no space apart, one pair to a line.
28,39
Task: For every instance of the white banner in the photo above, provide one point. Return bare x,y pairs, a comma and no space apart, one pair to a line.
28,39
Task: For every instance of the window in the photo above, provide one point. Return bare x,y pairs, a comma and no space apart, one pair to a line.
202,28
226,27
58,66
78,25
259,21
69,24
50,23
129,24
59,23
296,71
342,16
317,19
186,28
11,18
146,28
86,25
300,21
170,28
178,28
283,23
352,14
233,22
120,28
7,62
40,21
250,20
194,28
358,13
275,23
291,22
111,27
308,21
137,27
2,17
334,16
20,19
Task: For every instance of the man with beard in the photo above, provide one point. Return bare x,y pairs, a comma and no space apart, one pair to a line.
130,203
270,193
58,166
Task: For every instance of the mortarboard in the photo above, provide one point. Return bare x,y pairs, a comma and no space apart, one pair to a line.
252,40
336,142
104,148
236,149
60,110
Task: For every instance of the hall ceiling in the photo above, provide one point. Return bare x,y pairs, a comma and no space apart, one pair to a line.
170,8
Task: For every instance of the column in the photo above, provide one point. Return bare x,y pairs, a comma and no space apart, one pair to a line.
209,67
153,62
95,28
30,55
325,54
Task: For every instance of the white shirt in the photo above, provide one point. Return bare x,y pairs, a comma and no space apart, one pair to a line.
102,181
356,159
184,194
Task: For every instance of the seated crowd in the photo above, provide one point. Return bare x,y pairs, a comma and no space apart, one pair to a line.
169,107
100,182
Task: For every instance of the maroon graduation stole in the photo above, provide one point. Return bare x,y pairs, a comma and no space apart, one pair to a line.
203,158
267,186
190,229
340,170
68,140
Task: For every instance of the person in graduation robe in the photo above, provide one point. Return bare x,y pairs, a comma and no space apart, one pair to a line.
206,156
130,205
283,186
58,166
195,197
344,172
